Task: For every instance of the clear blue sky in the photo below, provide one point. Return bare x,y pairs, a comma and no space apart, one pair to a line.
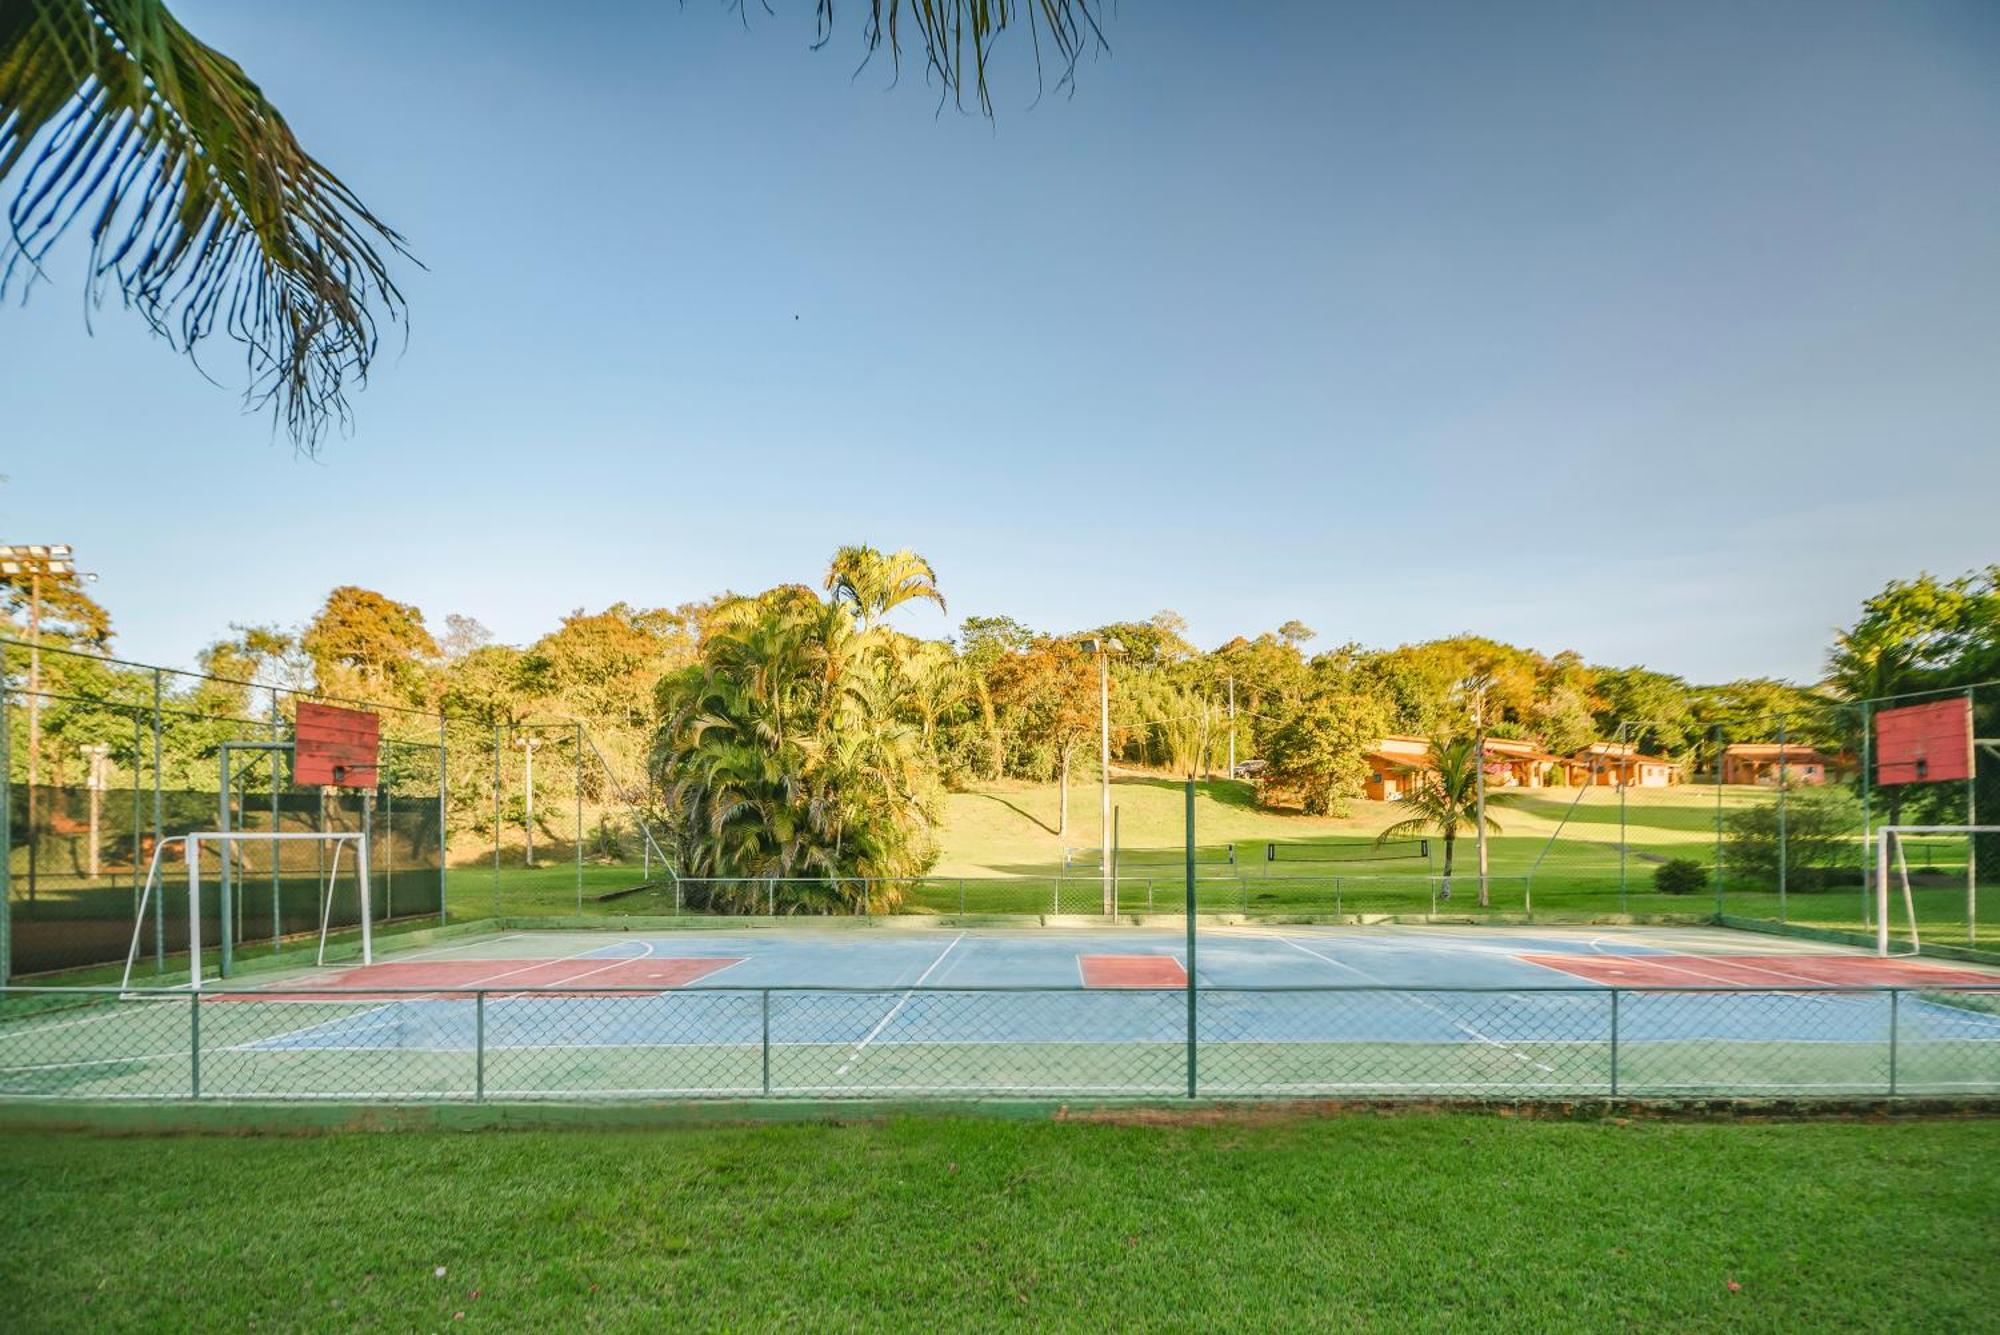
1662,332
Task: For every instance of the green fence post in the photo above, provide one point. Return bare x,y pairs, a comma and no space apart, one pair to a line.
159,833
1193,1077
277,824
7,838
961,896
1720,906
1784,778
496,820
577,778
765,1041
478,1047
194,1046
444,775
1867,814
1614,1042
1895,996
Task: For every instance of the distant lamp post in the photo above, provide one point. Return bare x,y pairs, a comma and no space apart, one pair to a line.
1104,648
35,562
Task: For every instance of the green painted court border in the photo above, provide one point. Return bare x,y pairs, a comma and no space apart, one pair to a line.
1838,936
253,1118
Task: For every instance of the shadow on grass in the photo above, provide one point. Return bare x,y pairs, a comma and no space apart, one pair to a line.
1223,792
1024,815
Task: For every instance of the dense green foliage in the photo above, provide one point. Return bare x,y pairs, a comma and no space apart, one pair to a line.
1812,832
1252,1223
900,718
784,750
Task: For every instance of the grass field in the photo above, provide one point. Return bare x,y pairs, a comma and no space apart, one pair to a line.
1355,1222
1555,856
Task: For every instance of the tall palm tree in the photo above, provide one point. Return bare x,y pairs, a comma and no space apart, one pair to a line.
207,214
788,752
874,584
1445,803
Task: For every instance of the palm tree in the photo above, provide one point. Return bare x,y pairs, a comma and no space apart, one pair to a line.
789,752
206,212
874,585
1446,803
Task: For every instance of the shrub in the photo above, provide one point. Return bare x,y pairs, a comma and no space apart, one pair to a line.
1681,876
1820,838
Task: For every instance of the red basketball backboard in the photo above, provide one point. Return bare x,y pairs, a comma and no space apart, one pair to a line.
1928,743
335,748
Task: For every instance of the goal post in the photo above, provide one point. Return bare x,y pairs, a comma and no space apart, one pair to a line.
191,845
1889,851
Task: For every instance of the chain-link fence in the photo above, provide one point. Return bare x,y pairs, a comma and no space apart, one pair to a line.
104,774
1222,1042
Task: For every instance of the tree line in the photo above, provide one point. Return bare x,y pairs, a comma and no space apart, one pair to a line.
797,733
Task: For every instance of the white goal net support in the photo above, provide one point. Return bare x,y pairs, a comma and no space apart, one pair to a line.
1891,855
225,842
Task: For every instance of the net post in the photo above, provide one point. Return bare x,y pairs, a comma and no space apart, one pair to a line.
1193,1076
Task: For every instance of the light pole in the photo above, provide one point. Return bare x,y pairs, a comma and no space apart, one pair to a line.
36,561
1104,649
528,742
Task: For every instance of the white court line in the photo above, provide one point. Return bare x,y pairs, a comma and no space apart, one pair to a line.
1463,1028
115,1014
883,1023
1659,962
338,1022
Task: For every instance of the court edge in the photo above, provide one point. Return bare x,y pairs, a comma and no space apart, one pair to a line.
250,1117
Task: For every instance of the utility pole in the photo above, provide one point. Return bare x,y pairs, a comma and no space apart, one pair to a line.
1104,648
36,560
1104,779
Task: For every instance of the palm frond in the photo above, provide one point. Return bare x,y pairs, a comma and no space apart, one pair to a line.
205,213
959,36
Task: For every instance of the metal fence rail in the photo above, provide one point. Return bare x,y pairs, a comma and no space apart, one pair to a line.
444,1044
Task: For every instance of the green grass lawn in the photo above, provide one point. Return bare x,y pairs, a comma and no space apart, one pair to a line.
1351,1222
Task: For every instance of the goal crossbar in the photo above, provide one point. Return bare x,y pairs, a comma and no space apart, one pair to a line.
191,844
1889,837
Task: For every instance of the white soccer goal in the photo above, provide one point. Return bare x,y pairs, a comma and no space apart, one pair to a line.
1889,843
192,845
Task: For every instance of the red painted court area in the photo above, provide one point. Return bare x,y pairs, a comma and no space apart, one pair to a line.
1131,971
1757,971
506,975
